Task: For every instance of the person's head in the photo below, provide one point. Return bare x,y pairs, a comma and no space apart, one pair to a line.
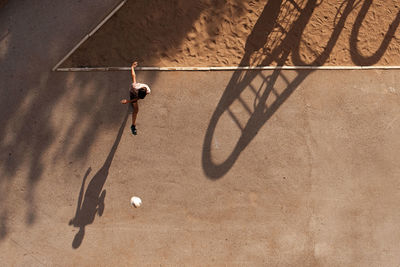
142,92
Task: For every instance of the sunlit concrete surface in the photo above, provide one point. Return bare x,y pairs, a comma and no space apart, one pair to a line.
281,168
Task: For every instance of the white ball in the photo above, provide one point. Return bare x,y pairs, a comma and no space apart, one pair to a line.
136,202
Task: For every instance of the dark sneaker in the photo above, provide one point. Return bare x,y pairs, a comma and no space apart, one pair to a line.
133,129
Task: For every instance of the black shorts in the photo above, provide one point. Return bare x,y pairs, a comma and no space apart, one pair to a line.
132,95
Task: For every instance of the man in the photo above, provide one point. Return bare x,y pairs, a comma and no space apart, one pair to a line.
137,91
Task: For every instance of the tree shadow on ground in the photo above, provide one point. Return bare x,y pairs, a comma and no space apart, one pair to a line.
49,121
264,32
92,202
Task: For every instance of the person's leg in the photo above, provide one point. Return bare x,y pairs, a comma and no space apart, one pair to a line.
135,112
135,108
134,115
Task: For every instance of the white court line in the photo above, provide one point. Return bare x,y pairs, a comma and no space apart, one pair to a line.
233,68
89,34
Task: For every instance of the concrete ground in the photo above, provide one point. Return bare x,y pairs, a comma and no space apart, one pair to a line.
279,168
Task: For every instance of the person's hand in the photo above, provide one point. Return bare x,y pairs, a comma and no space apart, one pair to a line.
134,64
124,101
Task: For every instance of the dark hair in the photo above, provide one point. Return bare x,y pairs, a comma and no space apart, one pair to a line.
142,93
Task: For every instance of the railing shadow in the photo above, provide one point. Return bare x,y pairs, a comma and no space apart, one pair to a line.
356,55
92,202
241,80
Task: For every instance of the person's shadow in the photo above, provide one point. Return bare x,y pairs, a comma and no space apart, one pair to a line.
93,201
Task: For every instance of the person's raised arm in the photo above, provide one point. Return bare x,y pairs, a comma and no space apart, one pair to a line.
134,64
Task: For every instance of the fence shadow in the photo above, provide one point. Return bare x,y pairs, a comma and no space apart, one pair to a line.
356,55
263,33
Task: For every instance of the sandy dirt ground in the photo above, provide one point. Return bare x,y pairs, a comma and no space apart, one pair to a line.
245,168
246,33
